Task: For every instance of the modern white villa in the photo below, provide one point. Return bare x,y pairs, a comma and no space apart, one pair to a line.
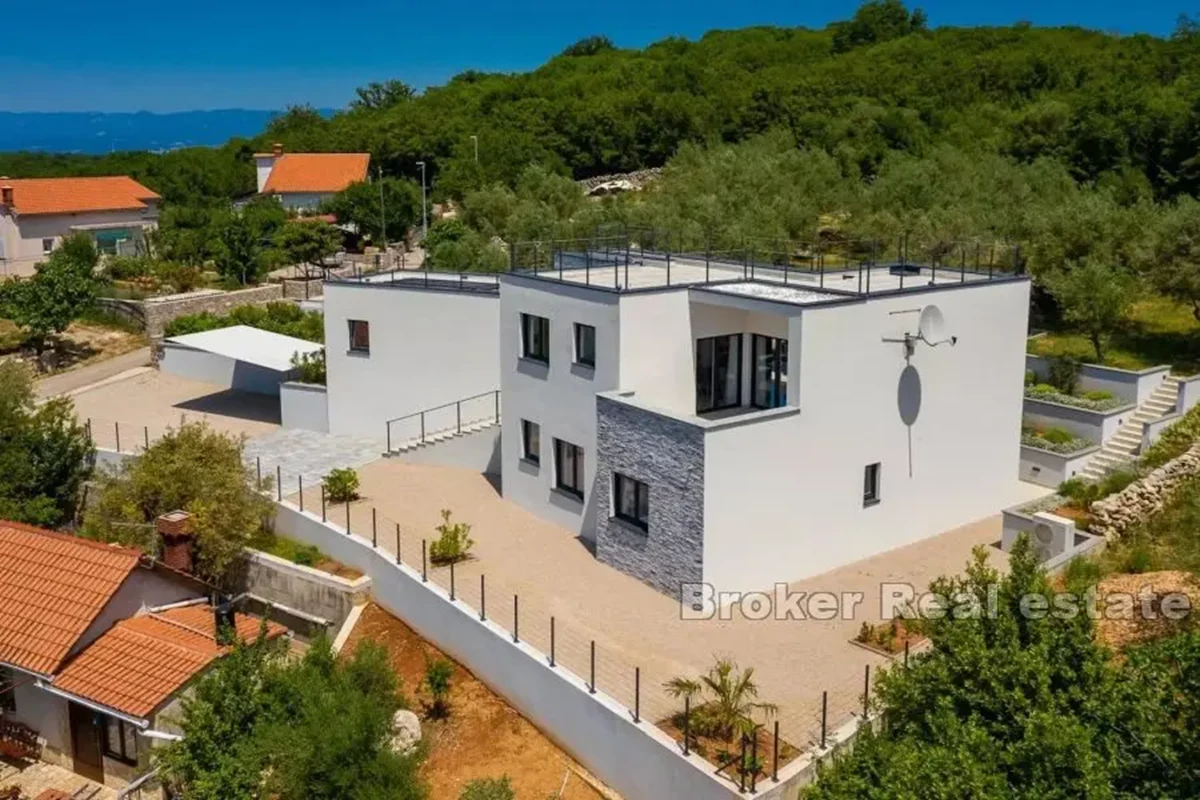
696,421
302,181
37,213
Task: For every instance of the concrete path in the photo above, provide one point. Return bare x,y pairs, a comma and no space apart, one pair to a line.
308,454
83,377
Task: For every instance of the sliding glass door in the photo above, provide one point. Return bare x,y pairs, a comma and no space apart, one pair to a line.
718,373
770,371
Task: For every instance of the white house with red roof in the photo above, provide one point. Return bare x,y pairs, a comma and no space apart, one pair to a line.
301,181
37,213
97,644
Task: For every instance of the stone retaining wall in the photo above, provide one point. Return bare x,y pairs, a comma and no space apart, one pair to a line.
301,289
1114,515
159,311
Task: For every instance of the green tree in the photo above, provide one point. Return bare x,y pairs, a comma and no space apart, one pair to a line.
877,21
192,468
308,242
389,203
1095,297
1176,268
451,245
239,255
375,95
45,454
60,289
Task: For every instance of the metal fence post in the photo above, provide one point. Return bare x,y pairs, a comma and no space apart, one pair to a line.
422,427
451,581
906,652
592,685
398,561
323,503
516,620
258,472
754,762
300,484
482,600
347,517
117,426
88,426
552,641
742,766
458,416
374,529
775,754
687,723
866,688
824,715
637,694
389,437
146,437
424,564
279,482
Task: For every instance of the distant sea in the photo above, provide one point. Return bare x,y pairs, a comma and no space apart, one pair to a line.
87,132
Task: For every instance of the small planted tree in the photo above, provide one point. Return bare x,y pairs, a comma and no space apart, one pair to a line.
61,288
341,485
438,672
1095,297
309,243
728,700
454,541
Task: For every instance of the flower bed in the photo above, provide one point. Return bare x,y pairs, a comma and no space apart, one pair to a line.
1092,401
1055,440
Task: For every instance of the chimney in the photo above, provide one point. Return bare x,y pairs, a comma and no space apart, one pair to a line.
277,149
175,530
224,623
6,195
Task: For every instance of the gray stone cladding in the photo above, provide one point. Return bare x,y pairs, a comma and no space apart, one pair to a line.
668,456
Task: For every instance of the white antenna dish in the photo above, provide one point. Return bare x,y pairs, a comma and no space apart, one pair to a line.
931,329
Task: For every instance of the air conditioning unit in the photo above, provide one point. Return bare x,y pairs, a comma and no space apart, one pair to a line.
1051,536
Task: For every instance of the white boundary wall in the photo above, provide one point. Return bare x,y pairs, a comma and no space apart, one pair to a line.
1047,468
636,759
304,406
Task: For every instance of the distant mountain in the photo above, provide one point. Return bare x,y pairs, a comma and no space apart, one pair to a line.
88,132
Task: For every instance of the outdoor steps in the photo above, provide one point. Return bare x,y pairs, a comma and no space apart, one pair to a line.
1123,446
432,439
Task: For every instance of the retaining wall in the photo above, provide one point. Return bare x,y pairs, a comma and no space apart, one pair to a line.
478,451
635,758
302,588
1047,468
304,406
1133,386
1095,426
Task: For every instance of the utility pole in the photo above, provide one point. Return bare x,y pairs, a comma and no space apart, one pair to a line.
382,212
424,211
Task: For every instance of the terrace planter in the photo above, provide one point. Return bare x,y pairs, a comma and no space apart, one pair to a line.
1095,426
1049,469
1133,386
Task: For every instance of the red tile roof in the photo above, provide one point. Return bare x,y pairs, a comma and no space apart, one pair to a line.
316,172
52,587
141,662
77,195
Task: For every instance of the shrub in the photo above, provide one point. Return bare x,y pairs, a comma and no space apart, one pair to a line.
1064,374
1116,481
488,789
1044,391
1030,377
1080,493
438,672
311,367
1175,440
453,543
731,699
286,318
1057,435
1140,558
181,277
126,268
1098,395
341,485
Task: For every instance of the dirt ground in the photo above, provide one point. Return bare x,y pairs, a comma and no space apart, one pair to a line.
1120,633
82,343
484,737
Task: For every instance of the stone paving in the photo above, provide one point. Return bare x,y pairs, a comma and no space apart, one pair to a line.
308,454
39,776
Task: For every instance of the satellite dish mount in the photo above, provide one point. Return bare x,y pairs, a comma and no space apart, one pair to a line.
931,329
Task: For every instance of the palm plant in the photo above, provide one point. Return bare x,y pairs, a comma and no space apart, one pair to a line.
728,700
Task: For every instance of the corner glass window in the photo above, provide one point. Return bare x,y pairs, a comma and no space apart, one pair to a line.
718,372
770,372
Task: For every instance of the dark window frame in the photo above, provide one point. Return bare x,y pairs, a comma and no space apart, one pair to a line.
737,369
8,685
124,729
590,362
528,350
871,481
47,250
561,446
778,355
641,496
352,324
526,427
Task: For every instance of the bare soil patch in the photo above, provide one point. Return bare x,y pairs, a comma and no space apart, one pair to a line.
1120,633
483,737
81,343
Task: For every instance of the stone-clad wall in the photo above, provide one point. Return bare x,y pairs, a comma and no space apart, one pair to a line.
1140,500
667,455
161,310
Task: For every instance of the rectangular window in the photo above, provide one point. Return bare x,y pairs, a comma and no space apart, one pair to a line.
871,484
47,246
585,345
531,445
120,740
360,336
8,697
535,338
631,501
568,467
770,372
718,372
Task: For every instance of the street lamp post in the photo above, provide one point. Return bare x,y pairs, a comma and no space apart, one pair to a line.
382,212
424,212
475,139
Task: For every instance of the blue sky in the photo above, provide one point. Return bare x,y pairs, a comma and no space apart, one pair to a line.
80,55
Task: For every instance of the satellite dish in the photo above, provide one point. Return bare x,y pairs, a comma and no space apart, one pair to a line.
932,327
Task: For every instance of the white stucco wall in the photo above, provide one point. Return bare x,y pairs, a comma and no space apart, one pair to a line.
428,347
304,406
21,235
1135,386
1049,469
303,201
560,397
784,498
46,714
144,588
1095,426
201,365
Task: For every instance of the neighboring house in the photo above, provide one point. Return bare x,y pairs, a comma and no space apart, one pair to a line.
302,181
37,213
718,425
96,643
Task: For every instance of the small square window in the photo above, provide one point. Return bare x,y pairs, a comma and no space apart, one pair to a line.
871,484
535,338
47,246
8,683
568,468
360,336
531,444
120,740
631,501
585,345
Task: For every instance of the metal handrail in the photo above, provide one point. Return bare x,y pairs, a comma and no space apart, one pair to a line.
457,405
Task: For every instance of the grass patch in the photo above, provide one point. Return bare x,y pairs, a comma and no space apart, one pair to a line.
10,336
1158,331
306,555
103,318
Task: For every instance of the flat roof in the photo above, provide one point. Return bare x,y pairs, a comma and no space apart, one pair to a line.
797,295
252,345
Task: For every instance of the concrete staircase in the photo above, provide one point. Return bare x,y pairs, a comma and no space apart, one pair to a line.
442,423
1123,446
437,437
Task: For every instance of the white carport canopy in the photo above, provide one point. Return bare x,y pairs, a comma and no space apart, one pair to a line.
261,348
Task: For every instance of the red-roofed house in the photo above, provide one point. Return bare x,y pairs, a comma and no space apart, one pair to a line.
302,180
96,643
36,213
